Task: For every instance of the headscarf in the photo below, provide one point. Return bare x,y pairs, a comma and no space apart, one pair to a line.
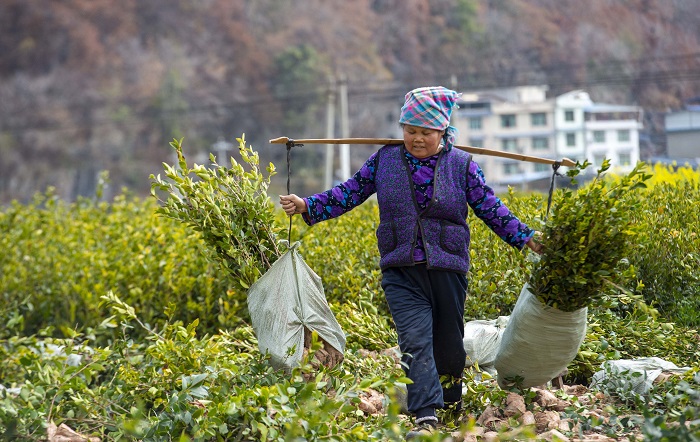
431,107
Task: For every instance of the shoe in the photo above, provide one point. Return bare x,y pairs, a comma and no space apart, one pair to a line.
422,429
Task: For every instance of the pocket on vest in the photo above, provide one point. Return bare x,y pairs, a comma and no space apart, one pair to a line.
386,237
452,237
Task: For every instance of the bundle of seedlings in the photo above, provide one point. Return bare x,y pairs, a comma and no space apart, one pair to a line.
586,240
231,210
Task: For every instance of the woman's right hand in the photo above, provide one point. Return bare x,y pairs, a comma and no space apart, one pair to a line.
534,243
292,204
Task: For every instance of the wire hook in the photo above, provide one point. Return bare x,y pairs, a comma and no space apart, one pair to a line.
290,143
555,167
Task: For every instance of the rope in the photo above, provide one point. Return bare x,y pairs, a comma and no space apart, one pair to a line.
555,167
290,143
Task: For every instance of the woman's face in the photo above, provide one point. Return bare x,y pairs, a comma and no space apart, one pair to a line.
421,142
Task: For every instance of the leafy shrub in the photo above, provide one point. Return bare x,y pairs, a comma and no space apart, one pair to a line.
667,258
586,237
365,327
228,206
176,384
58,259
633,334
149,377
666,251
672,410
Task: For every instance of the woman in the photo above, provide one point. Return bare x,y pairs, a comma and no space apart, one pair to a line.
424,188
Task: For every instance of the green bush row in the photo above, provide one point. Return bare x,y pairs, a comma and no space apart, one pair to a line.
667,256
59,258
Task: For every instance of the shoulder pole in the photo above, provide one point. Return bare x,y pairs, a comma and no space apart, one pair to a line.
383,141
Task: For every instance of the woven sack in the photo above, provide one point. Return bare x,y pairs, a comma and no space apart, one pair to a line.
285,305
481,341
539,342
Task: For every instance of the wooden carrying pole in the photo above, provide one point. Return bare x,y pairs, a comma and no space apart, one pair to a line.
383,141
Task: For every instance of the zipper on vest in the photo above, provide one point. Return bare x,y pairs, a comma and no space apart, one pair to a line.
414,240
430,203
435,178
425,242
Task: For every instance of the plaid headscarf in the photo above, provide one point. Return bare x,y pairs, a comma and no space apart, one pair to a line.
431,107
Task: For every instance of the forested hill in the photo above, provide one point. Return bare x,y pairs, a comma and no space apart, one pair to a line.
91,85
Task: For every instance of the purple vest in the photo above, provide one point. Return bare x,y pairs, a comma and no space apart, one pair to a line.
443,223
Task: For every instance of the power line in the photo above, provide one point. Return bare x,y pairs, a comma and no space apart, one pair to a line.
378,90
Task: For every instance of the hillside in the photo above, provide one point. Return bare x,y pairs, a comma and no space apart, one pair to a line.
92,85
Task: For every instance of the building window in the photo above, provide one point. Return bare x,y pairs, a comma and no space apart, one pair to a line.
509,144
538,119
476,142
571,139
475,123
539,167
508,120
623,135
568,115
625,159
599,136
511,168
540,143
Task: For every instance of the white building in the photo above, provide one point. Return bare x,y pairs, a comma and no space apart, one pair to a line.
523,120
683,134
612,131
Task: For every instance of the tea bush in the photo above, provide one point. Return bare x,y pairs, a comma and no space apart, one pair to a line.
228,206
145,375
177,383
672,410
588,235
666,252
632,334
667,255
76,252
59,258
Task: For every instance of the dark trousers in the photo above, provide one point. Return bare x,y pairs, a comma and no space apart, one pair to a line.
428,310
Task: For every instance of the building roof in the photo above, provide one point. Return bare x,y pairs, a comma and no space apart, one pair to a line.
605,107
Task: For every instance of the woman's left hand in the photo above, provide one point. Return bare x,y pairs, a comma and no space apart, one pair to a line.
534,243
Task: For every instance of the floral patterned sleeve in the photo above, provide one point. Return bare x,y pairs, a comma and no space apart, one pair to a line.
490,209
343,197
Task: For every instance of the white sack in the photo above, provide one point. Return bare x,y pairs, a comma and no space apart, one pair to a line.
632,375
539,341
482,339
287,298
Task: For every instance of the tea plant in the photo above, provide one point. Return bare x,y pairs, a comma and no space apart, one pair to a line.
667,258
58,258
587,235
230,208
173,355
179,384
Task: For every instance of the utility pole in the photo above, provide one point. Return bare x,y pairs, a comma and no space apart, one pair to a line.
221,147
453,82
344,129
330,131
